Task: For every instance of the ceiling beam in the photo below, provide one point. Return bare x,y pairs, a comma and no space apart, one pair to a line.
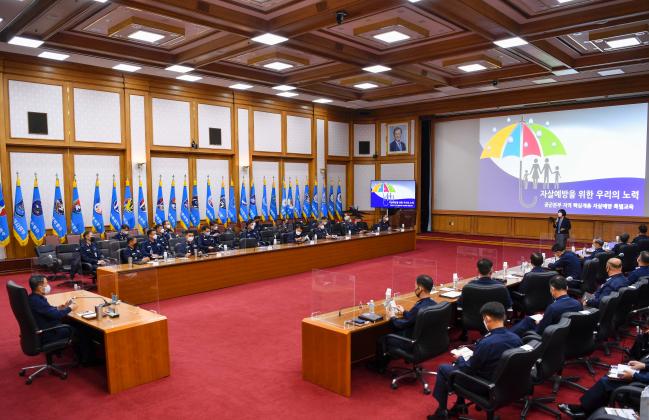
322,73
459,45
243,73
26,17
206,52
613,58
329,90
523,71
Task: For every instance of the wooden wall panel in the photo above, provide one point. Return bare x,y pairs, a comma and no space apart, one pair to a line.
496,226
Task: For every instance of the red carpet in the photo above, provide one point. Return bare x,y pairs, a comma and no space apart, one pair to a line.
235,354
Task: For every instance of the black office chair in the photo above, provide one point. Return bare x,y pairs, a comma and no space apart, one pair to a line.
174,241
588,282
227,238
287,238
643,245
46,259
581,344
628,298
512,381
268,236
473,297
362,226
71,262
603,258
429,339
31,335
629,255
247,243
537,295
641,309
606,328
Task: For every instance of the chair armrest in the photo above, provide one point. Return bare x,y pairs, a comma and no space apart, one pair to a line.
401,338
56,327
517,294
467,381
628,390
529,336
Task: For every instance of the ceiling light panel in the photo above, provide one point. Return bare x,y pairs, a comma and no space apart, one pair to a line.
270,39
472,67
53,56
510,42
25,42
146,36
376,69
179,69
366,85
392,37
126,67
189,78
278,66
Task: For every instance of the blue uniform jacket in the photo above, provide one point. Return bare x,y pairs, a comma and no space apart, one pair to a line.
595,253
612,284
134,253
148,248
569,265
639,238
487,281
409,317
635,275
121,236
487,353
188,247
553,312
321,233
46,315
90,253
205,242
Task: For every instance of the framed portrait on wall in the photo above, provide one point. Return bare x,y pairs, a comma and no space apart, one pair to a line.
398,140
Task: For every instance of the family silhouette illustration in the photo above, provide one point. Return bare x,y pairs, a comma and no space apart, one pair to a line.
536,172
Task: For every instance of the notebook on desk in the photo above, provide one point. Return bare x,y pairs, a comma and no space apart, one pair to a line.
367,316
451,295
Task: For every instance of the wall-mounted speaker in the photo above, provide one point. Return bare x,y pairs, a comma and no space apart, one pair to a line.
37,123
363,147
215,136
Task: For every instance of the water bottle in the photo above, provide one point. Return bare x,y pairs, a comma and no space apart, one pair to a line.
505,267
371,305
130,262
455,281
165,256
378,230
388,297
315,238
76,286
274,241
403,227
573,249
195,253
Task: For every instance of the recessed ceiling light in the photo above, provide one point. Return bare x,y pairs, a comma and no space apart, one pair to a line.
510,42
240,86
189,77
322,101
623,42
413,1
101,1
270,39
278,66
563,1
564,72
179,69
611,72
1,19
544,81
146,36
126,67
366,85
284,88
26,42
472,67
53,55
377,69
392,36
288,94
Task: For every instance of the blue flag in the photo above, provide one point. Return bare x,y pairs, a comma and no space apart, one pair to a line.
172,215
290,208
298,207
59,224
243,203
232,208
195,214
273,203
129,206
76,217
306,205
209,203
115,218
315,210
185,222
20,219
97,212
339,202
332,202
142,216
159,217
264,203
37,220
4,222
253,200
223,211
323,203
283,206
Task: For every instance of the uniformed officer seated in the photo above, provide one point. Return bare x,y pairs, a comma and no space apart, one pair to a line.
384,223
214,230
189,247
89,251
169,231
161,237
299,236
552,315
151,247
206,242
598,244
483,363
133,251
250,232
321,232
347,225
123,233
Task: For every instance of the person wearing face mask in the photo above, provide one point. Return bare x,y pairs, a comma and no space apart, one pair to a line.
597,249
151,247
403,325
89,252
251,232
189,247
326,225
168,231
482,363
320,232
123,234
384,223
552,315
348,225
299,236
561,227
133,251
161,237
613,283
206,243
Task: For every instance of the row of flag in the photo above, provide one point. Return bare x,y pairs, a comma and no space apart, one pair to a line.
126,213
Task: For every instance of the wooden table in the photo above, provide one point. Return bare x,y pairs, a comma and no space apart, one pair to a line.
136,343
184,276
330,345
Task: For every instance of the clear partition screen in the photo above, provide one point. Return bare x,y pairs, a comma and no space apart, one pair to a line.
333,298
467,258
405,271
140,288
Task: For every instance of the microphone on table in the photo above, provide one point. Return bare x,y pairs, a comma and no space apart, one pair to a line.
106,303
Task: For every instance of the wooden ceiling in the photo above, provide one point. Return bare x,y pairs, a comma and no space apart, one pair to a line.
566,43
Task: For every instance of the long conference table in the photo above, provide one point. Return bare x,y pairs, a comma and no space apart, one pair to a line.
150,282
331,343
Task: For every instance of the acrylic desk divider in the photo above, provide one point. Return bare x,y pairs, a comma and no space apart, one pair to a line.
333,298
405,271
467,257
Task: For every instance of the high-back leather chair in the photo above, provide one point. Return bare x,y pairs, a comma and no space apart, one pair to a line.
629,255
47,259
512,381
588,282
537,295
581,343
429,339
31,341
247,243
473,297
227,238
603,258
626,302
606,327
268,236
175,241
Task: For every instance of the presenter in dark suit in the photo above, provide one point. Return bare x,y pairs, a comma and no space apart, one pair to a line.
483,363
397,144
552,315
561,227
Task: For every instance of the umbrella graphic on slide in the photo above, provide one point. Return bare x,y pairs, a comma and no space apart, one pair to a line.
521,140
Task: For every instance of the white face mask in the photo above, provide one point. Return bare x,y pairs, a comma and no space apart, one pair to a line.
155,237
190,239
252,227
298,232
485,325
347,218
47,289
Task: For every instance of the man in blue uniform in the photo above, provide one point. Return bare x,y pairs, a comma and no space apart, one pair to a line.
615,281
251,232
123,233
404,326
552,315
482,363
624,240
299,236
642,270
642,234
485,269
320,231
133,251
347,225
189,247
536,259
151,247
567,263
383,224
598,395
89,251
161,237
206,242
598,243
168,230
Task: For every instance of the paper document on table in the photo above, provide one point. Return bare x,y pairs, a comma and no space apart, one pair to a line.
451,295
625,413
617,370
446,289
537,317
464,352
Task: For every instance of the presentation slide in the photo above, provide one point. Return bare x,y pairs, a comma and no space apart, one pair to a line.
586,161
393,194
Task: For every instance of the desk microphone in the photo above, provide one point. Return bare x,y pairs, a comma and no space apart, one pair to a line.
106,303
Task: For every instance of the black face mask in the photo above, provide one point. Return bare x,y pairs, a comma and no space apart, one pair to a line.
93,239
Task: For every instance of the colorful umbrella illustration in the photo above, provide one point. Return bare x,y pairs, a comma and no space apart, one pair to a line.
385,191
521,140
